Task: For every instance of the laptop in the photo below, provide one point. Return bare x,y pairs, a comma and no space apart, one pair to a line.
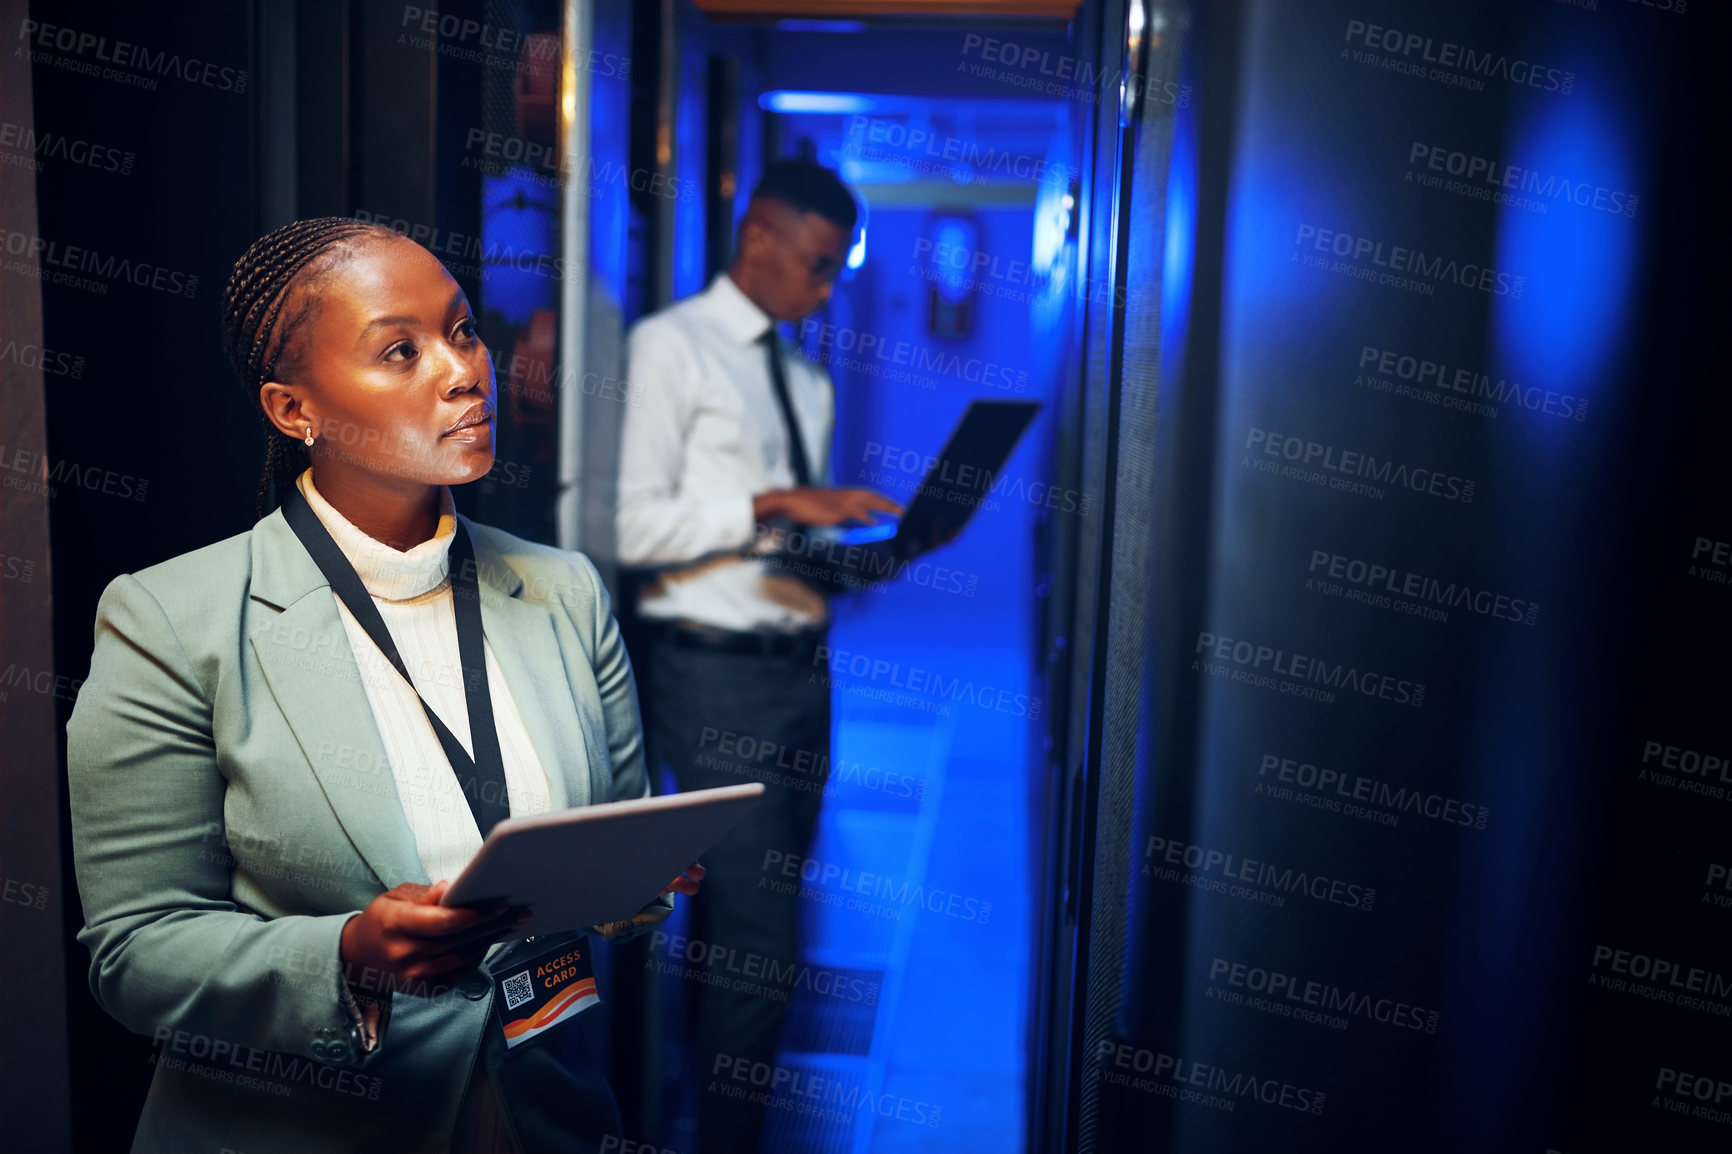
961,479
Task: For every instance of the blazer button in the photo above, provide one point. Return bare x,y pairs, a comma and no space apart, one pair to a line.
475,988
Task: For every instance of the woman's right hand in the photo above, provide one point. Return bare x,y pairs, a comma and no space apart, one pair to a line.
418,946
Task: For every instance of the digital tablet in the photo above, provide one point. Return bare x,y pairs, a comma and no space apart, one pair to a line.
598,863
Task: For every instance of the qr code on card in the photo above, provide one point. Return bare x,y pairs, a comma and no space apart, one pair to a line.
518,990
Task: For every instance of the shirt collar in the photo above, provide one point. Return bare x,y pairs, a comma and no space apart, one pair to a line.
388,574
739,317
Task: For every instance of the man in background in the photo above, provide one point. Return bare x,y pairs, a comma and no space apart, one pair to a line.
732,438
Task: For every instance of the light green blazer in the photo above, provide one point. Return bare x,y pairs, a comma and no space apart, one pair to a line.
232,806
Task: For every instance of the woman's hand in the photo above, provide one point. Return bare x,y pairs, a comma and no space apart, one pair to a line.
688,882
419,945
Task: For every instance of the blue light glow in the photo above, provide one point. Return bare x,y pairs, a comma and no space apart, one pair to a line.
954,241
1179,247
1567,331
518,216
834,103
820,26
1051,229
972,824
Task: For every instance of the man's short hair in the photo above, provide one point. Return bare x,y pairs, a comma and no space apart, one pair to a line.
807,186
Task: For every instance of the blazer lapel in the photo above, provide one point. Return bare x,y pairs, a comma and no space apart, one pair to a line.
312,673
526,645
311,669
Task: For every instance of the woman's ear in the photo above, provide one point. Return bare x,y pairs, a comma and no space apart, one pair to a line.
283,409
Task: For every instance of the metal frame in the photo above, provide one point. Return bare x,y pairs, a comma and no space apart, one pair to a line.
574,111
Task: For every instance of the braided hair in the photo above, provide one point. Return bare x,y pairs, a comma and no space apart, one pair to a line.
256,335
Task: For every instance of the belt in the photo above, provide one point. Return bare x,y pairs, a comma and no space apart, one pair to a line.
756,642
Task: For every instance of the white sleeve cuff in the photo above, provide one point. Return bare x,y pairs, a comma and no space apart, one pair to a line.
733,524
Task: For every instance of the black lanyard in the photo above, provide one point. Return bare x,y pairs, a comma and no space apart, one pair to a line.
482,777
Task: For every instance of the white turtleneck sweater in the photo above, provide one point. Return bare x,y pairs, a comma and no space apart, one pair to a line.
413,593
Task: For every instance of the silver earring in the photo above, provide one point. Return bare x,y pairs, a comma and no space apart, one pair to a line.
309,436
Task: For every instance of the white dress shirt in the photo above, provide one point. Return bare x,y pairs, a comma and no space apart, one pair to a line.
413,593
707,437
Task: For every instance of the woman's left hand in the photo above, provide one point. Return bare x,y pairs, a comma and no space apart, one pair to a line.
687,883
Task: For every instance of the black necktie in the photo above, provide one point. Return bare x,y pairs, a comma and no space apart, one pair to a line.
796,447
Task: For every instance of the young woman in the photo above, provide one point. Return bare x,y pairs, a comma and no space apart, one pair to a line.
292,740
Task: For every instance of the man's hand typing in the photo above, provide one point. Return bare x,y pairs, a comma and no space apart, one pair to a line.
809,506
